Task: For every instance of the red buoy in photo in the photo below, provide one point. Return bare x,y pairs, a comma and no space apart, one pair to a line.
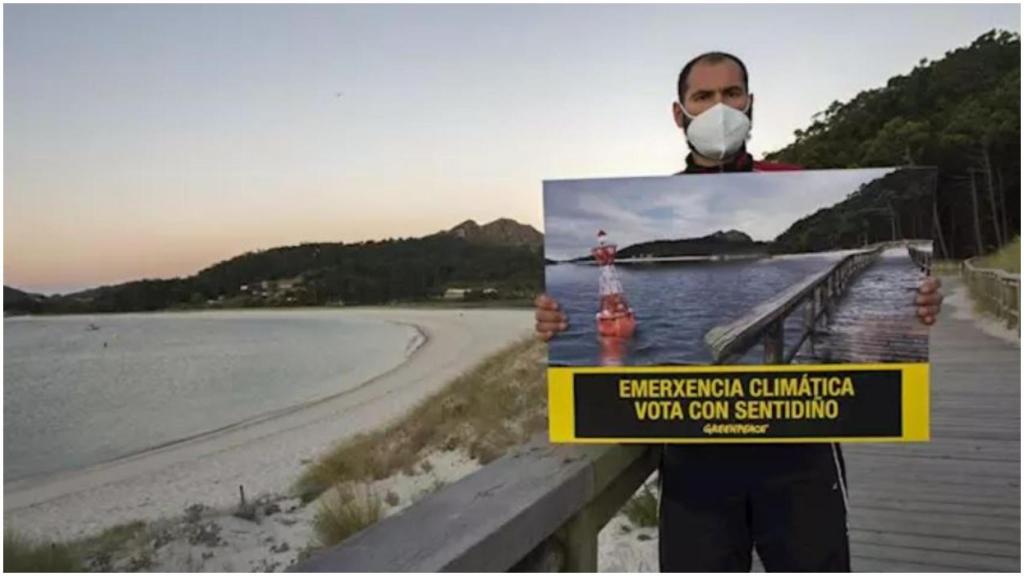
615,318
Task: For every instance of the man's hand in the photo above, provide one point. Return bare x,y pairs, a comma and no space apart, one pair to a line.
928,300
550,320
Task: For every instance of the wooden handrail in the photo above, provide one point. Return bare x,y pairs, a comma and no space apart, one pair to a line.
539,507
818,292
921,258
999,289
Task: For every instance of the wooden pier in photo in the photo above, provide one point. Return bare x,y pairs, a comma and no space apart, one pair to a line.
860,309
817,295
921,256
877,319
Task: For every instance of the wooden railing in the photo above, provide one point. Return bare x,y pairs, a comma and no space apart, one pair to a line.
538,508
998,290
818,294
921,258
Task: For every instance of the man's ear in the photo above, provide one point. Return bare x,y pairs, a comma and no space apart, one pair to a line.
750,109
677,113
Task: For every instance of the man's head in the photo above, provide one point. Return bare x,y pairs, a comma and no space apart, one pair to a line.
709,79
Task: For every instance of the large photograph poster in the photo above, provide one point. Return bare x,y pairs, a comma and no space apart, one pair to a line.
740,307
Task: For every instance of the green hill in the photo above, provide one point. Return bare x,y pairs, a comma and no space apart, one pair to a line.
372,272
895,206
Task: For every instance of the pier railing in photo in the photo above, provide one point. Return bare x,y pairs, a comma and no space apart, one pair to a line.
539,508
817,294
998,290
921,258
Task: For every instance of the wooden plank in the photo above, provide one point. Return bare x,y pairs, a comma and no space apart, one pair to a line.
970,522
868,564
994,452
947,559
912,477
934,526
936,506
861,491
929,542
948,467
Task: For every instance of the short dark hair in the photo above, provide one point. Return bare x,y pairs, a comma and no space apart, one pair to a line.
710,58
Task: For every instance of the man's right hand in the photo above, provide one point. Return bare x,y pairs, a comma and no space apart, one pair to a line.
550,319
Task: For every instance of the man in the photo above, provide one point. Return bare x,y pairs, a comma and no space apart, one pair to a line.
718,502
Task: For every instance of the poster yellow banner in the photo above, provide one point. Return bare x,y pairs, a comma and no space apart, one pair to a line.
886,402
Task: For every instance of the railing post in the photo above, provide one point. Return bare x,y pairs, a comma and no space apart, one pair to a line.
827,305
1005,302
580,539
774,342
809,312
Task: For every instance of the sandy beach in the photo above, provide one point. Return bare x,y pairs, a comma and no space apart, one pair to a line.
265,455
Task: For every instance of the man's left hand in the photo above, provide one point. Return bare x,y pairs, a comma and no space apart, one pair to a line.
929,300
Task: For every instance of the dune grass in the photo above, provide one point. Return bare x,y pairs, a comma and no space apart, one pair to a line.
497,404
642,508
93,553
1006,258
23,554
345,510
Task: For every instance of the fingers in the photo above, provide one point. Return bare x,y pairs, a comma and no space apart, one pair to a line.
928,300
929,285
931,299
927,314
547,331
551,326
550,319
545,302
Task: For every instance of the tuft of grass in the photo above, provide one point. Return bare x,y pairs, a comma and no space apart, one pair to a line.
115,537
344,511
22,554
98,552
497,404
642,508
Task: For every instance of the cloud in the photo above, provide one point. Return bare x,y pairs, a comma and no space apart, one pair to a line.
642,209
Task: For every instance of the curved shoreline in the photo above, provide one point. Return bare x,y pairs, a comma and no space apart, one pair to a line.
420,338
267,454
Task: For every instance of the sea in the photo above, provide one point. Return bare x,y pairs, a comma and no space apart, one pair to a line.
85,389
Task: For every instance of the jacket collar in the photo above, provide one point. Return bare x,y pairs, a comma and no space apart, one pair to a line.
743,162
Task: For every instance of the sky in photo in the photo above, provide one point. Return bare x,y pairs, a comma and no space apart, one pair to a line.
632,210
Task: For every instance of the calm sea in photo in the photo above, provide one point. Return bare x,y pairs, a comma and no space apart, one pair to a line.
675,305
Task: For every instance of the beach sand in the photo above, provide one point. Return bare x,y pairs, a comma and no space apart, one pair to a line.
265,456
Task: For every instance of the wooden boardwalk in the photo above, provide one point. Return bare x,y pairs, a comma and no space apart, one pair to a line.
952,504
948,505
876,320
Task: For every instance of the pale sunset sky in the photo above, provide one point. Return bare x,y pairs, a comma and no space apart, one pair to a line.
152,141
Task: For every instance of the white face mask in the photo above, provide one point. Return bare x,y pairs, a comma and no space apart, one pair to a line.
718,132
